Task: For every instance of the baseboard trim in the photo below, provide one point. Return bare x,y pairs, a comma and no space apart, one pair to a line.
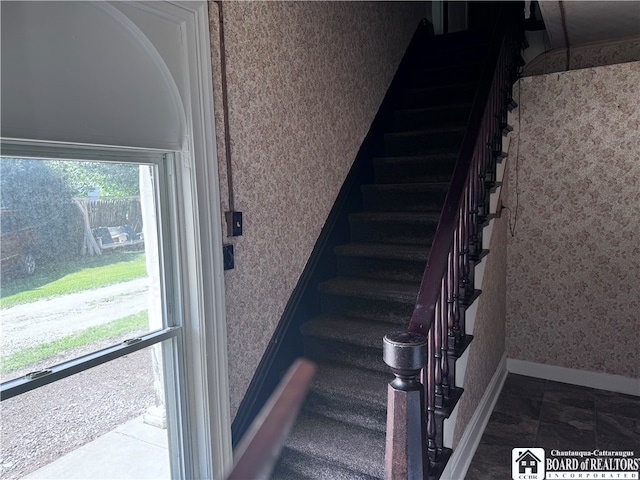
584,378
463,454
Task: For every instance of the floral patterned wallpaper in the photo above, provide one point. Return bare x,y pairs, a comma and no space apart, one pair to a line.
305,80
573,274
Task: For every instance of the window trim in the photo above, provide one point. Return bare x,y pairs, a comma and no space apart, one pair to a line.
31,381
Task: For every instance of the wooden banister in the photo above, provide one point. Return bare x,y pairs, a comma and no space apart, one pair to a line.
424,311
257,453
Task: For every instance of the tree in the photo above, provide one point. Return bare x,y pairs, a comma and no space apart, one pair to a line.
113,179
37,191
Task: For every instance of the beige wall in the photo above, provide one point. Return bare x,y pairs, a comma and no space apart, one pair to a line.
305,80
573,276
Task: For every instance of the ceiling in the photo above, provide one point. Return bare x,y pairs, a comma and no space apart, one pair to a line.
589,21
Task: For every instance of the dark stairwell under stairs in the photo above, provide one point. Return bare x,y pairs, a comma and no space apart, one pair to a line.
340,432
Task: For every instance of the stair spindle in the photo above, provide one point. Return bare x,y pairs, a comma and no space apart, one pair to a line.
437,355
454,262
432,448
444,336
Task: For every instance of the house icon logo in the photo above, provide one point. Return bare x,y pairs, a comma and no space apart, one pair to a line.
527,464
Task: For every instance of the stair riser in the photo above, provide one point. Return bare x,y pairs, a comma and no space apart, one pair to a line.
385,310
341,409
435,97
444,57
404,144
381,268
392,232
323,350
413,171
416,201
426,78
413,119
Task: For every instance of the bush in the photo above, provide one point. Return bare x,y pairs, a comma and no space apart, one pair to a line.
37,191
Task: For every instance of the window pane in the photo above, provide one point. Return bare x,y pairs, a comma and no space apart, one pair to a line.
105,422
80,263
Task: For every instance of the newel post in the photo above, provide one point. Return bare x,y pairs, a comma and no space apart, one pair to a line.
405,455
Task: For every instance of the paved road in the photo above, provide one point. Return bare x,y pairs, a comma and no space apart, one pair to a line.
47,320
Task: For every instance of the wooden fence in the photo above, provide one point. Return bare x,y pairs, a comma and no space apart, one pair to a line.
107,212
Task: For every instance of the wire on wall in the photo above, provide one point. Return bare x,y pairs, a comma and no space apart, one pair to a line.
566,34
514,223
225,108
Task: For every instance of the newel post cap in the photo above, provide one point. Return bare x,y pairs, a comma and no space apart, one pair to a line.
405,351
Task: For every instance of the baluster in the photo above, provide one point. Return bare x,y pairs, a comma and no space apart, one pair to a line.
464,242
468,239
432,448
405,455
444,334
474,195
455,260
437,354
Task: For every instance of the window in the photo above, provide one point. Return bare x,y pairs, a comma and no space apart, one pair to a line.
103,288
137,75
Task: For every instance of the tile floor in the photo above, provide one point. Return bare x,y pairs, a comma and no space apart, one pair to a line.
533,412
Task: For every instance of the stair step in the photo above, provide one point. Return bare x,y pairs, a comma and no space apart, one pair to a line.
451,55
424,141
415,169
384,227
417,253
369,298
431,117
350,395
442,74
354,342
446,95
332,449
294,465
405,197
382,261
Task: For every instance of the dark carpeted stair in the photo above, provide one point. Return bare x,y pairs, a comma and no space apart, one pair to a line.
340,433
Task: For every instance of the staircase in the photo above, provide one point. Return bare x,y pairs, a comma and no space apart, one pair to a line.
340,433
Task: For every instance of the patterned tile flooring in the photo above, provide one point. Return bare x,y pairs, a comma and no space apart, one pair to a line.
533,412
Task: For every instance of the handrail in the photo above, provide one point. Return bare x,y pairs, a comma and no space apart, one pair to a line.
424,312
259,450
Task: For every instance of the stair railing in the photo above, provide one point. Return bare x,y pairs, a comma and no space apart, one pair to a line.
447,286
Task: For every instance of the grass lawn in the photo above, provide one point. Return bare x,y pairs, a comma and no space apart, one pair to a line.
86,273
35,354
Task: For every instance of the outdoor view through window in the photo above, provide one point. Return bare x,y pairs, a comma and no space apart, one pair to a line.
82,271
